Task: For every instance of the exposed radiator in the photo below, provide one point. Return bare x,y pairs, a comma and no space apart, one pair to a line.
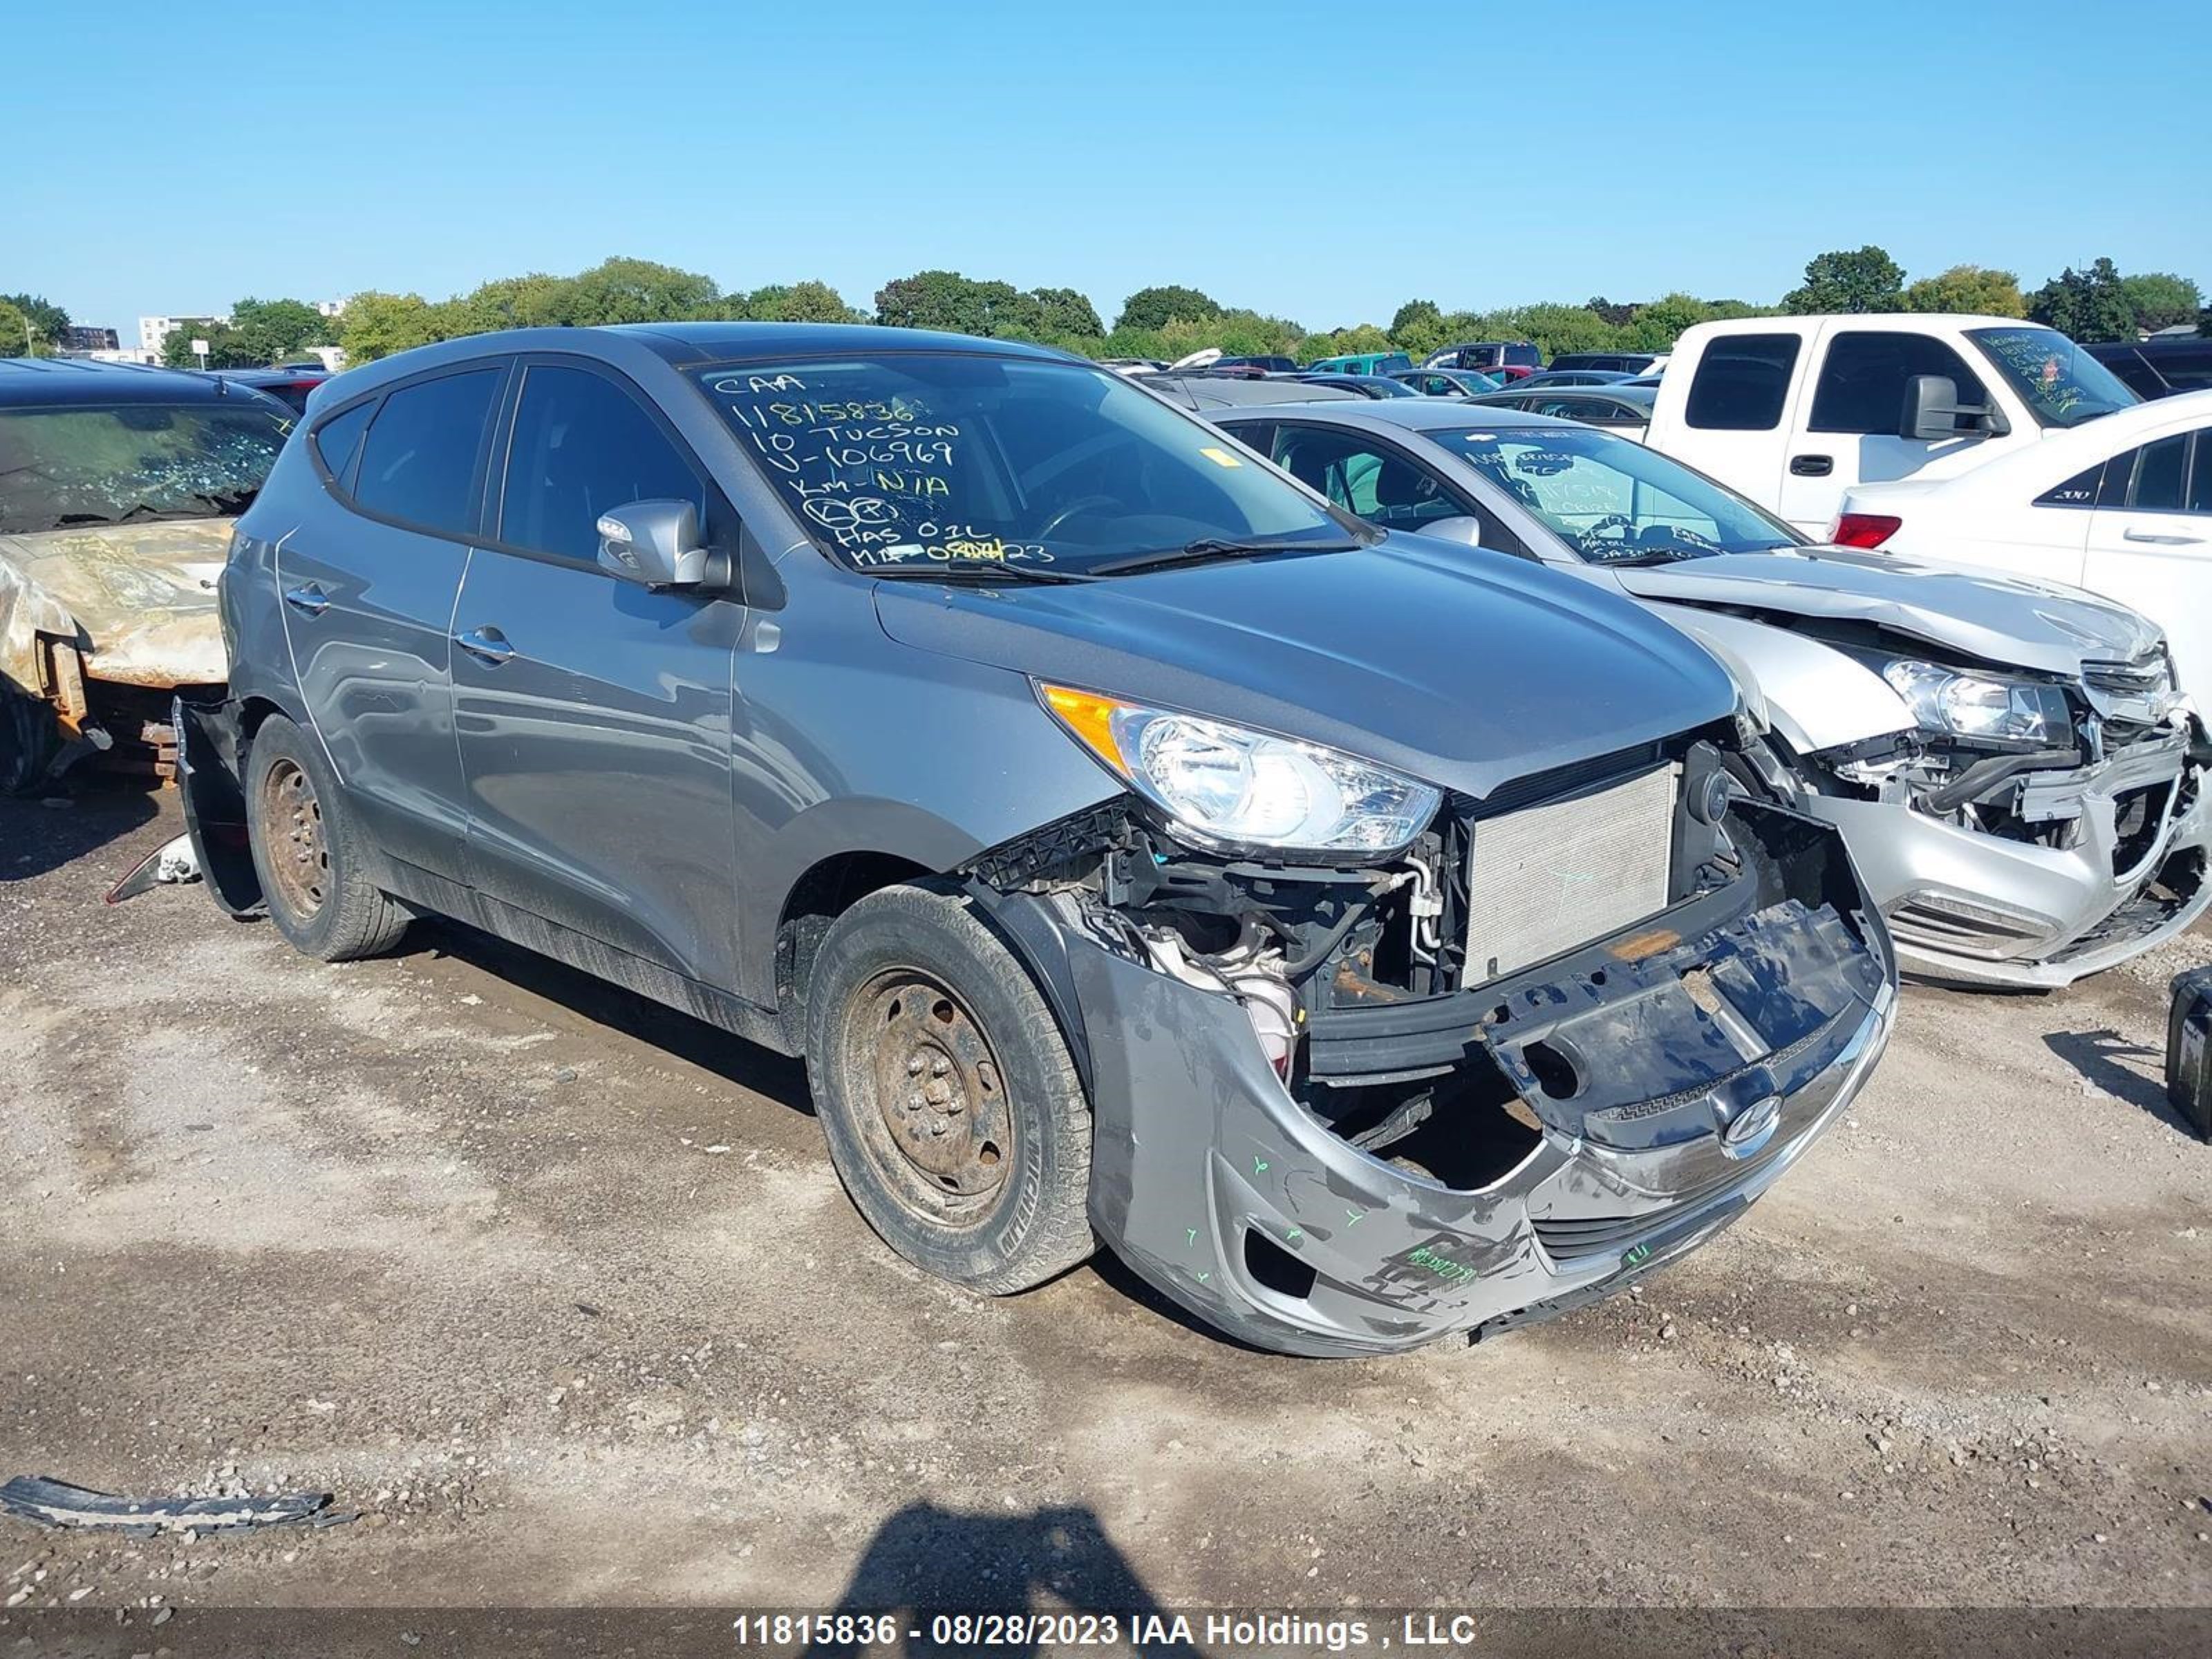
1551,878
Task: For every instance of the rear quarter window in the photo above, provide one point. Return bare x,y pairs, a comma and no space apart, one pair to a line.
2079,491
337,439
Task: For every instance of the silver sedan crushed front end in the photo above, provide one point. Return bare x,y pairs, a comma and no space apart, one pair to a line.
2032,867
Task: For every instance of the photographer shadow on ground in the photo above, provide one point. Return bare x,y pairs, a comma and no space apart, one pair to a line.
925,1560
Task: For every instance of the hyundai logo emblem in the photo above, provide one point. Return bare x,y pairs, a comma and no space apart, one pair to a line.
1752,1128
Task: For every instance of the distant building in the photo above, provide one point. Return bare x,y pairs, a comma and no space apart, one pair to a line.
78,337
330,308
152,331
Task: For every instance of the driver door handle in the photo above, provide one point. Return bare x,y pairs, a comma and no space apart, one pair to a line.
486,645
1812,466
2161,541
309,597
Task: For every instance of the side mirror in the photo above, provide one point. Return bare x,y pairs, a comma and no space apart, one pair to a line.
657,544
1932,409
1463,528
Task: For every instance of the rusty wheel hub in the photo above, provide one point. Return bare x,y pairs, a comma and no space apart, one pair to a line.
937,1086
292,821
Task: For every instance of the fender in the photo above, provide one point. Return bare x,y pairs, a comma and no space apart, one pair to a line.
1815,697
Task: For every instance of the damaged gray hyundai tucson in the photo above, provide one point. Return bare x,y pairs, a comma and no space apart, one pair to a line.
1368,945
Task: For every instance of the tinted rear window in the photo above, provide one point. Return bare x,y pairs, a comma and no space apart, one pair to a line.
418,463
1742,382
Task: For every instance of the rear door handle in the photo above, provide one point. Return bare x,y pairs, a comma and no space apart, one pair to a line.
487,645
1812,466
308,597
2158,540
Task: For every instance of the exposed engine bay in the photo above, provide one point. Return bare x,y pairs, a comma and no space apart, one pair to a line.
1379,994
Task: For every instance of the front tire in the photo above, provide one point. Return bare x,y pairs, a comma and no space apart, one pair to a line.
952,1110
308,852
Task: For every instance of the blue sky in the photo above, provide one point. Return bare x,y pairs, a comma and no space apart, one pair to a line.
1322,162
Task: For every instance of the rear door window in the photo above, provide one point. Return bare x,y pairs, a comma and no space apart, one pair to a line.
2161,469
2200,474
1742,382
418,462
1863,379
582,445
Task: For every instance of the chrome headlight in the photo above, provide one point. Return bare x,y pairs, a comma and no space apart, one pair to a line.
1984,706
1223,784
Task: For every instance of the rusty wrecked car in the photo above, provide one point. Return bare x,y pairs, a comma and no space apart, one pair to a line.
1368,944
119,486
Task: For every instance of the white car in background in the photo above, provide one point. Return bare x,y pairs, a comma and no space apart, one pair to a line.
2121,506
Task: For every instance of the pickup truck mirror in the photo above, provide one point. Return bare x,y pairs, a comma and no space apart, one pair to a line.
1932,409
657,544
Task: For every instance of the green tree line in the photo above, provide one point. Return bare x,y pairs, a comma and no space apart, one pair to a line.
1163,322
1170,321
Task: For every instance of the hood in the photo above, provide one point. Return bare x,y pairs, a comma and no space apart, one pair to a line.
1998,619
1467,670
142,595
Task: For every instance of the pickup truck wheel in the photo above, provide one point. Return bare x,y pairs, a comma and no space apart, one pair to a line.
953,1113
307,851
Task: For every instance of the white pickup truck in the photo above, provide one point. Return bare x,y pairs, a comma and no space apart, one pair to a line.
1792,411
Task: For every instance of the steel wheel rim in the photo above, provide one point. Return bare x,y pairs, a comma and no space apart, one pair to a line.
936,1120
292,823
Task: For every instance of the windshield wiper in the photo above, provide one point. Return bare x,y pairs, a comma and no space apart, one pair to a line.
1207,549
976,570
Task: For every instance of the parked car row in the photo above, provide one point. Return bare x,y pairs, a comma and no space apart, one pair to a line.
1624,409
1389,867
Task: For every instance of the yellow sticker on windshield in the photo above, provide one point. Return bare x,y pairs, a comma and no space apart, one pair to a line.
1220,457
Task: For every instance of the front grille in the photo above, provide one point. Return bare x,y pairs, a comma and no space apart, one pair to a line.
1546,879
2148,675
1578,1237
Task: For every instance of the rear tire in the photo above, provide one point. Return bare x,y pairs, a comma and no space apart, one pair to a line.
953,1113
308,852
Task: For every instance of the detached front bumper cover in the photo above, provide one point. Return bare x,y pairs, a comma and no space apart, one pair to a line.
1230,1197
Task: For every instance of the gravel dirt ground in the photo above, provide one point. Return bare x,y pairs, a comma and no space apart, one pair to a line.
558,1291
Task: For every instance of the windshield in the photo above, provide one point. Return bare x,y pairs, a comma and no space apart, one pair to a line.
2060,381
63,468
921,458
1613,502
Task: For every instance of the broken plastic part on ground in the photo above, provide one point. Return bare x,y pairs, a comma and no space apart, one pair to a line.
46,1501
172,861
